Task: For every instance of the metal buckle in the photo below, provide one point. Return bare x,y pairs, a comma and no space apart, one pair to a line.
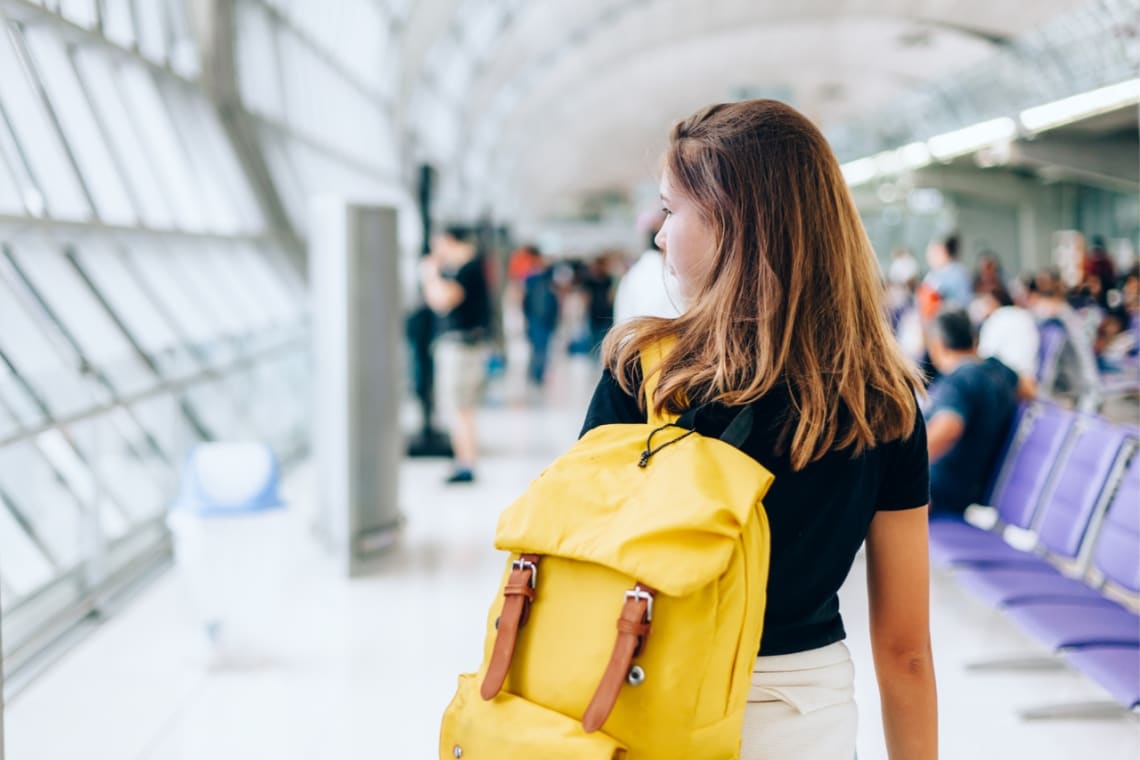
523,564
639,593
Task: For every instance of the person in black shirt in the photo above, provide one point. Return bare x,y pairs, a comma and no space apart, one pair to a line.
541,310
599,288
784,311
968,415
455,287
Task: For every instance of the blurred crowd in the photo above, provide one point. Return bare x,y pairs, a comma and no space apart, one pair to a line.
1069,332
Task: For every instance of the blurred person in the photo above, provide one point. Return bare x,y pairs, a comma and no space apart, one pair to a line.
455,287
902,278
646,290
1129,295
1074,371
598,285
947,277
569,278
1008,333
988,275
420,331
783,311
1098,267
540,310
903,269
968,414
524,261
1114,341
1090,298
1128,301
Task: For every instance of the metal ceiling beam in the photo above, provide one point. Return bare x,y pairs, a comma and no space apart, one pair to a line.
1111,163
216,29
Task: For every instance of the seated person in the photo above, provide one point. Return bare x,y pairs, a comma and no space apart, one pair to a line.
968,414
1114,341
1006,332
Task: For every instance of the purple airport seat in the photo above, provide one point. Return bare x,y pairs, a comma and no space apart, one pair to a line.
1083,484
1060,611
1079,490
1078,623
1006,586
1117,553
1115,556
1018,490
1117,669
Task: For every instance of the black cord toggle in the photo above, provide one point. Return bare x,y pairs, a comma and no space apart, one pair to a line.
650,451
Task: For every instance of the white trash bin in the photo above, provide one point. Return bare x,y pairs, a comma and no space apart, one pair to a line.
226,542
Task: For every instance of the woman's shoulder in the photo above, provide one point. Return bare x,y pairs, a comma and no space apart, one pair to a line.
611,404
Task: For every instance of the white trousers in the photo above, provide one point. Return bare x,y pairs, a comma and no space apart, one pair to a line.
802,706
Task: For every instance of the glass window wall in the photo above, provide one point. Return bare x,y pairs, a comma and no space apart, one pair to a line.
39,141
100,175
145,305
26,565
98,75
59,285
147,323
35,350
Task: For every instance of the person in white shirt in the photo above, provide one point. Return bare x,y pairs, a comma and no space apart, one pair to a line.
647,289
1008,333
903,270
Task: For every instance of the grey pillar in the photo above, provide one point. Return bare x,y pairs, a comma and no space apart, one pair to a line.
357,355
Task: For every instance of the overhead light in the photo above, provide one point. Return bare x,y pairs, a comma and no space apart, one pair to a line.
858,172
914,156
1091,103
888,162
962,141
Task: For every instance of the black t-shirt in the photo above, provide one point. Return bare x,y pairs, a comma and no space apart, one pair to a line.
472,315
818,516
984,395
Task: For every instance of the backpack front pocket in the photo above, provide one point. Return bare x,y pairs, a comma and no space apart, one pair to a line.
509,727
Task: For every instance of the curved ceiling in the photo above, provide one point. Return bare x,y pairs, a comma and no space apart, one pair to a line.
548,101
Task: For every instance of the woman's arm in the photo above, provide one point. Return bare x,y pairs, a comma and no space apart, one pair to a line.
942,432
441,294
898,584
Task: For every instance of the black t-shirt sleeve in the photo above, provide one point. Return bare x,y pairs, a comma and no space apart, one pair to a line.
610,405
906,476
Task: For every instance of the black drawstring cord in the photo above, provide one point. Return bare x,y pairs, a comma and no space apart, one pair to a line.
650,451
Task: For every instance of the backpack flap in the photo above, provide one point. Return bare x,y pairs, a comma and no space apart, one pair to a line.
671,523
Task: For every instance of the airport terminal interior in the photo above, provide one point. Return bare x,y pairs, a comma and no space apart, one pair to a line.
251,469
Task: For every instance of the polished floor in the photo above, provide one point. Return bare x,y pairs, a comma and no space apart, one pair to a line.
322,668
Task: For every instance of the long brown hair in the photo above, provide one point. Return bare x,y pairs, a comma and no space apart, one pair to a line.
792,296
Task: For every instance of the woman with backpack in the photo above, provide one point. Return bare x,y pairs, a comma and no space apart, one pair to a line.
785,313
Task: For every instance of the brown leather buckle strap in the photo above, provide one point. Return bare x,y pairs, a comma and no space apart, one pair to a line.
633,631
519,593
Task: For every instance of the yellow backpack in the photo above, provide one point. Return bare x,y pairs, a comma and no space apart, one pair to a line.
660,529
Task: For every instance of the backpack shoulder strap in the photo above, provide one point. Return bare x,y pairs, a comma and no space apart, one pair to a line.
652,357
